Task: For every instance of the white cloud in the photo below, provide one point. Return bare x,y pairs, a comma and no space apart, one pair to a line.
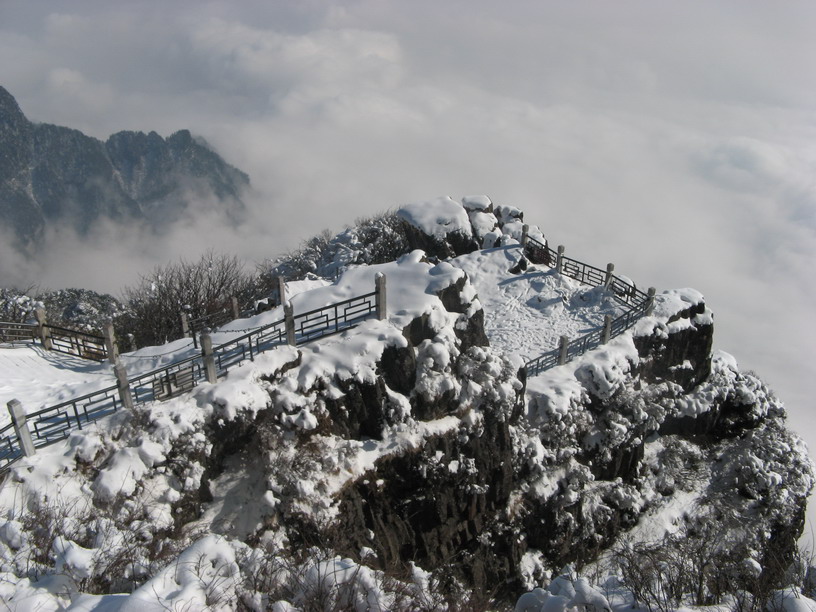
73,88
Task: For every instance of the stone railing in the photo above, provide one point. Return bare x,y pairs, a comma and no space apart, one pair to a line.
635,302
27,432
17,332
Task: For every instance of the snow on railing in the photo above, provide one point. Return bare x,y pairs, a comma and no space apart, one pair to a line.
216,319
55,423
167,381
636,303
337,317
247,346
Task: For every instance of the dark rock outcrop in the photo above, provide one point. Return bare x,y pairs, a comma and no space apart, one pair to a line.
454,243
473,498
697,413
681,356
441,507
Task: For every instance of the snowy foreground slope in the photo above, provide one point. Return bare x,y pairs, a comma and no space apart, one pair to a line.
410,464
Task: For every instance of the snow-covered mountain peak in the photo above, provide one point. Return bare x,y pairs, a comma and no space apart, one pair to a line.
413,462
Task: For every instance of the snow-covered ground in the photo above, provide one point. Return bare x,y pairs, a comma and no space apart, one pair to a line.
40,378
526,313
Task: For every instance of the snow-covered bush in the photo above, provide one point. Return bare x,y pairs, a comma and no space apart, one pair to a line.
82,309
98,549
16,306
371,240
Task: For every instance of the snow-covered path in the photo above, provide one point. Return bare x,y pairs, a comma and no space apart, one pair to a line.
40,378
525,314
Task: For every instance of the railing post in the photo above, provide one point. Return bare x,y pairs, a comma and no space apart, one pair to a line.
289,321
607,329
42,328
236,313
651,298
525,233
610,268
18,418
562,350
110,343
379,283
280,287
185,325
208,356
559,260
122,384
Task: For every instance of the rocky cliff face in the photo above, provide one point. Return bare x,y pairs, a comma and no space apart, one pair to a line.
51,174
541,484
654,419
16,143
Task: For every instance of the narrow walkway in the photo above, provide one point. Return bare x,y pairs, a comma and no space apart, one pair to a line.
527,313
45,377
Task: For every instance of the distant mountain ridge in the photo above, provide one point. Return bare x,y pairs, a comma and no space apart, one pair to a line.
51,174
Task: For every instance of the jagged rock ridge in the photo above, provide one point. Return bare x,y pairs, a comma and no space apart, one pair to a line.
51,174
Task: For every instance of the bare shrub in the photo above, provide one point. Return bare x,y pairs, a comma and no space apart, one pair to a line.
198,288
700,566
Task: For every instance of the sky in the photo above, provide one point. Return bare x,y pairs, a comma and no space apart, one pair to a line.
676,140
